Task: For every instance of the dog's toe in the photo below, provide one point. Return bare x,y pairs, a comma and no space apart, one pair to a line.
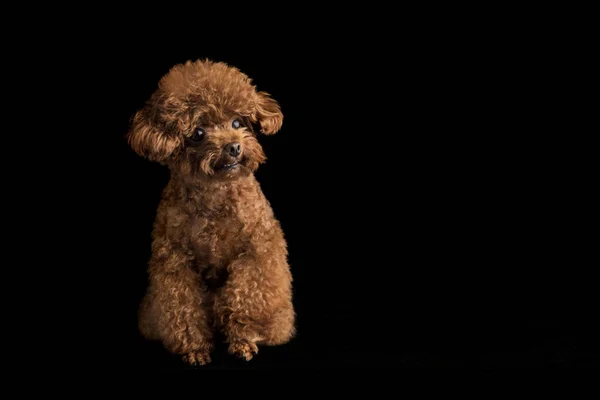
197,358
243,349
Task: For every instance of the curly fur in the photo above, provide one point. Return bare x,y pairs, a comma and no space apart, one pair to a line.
219,257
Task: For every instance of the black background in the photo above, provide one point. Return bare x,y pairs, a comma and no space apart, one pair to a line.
415,178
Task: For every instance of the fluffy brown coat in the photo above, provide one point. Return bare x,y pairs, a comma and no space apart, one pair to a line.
219,257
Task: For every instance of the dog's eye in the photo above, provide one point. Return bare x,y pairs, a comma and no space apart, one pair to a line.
236,123
198,135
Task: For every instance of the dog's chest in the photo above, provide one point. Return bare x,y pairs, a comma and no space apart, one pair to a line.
219,223
220,235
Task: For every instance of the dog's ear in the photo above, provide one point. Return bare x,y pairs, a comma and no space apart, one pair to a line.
149,138
267,114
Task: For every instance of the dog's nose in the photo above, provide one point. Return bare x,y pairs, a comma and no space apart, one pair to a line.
233,149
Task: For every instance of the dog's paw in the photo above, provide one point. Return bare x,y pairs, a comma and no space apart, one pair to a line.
199,357
243,349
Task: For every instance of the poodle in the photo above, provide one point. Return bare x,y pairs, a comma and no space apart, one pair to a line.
219,257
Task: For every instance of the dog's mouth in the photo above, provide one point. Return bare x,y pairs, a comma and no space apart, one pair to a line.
229,166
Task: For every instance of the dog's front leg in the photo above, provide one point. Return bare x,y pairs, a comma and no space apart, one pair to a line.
255,305
176,307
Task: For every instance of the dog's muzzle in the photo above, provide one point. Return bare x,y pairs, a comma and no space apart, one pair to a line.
232,153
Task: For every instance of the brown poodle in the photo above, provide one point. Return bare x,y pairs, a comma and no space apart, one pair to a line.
219,257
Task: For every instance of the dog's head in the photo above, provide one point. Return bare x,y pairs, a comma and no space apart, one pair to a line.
202,119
